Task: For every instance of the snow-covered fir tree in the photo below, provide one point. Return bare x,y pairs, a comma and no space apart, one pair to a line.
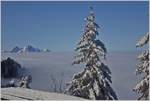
94,81
143,68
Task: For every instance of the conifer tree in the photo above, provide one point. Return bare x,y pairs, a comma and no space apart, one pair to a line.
94,81
143,68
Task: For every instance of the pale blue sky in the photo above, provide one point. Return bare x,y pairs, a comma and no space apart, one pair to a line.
58,25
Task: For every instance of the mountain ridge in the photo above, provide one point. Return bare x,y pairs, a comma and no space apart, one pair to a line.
27,49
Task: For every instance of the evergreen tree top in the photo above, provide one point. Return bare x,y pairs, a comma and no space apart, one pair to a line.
91,10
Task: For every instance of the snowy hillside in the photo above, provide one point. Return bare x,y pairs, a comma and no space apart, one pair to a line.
30,94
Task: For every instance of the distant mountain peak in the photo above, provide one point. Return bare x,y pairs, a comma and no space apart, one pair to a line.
15,49
27,49
46,50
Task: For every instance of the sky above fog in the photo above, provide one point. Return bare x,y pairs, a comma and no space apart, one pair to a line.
58,25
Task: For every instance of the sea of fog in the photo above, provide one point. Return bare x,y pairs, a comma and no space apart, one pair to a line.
46,68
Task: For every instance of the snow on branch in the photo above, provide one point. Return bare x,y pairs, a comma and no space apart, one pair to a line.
144,40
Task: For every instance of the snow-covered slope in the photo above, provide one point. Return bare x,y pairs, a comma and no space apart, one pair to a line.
30,94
